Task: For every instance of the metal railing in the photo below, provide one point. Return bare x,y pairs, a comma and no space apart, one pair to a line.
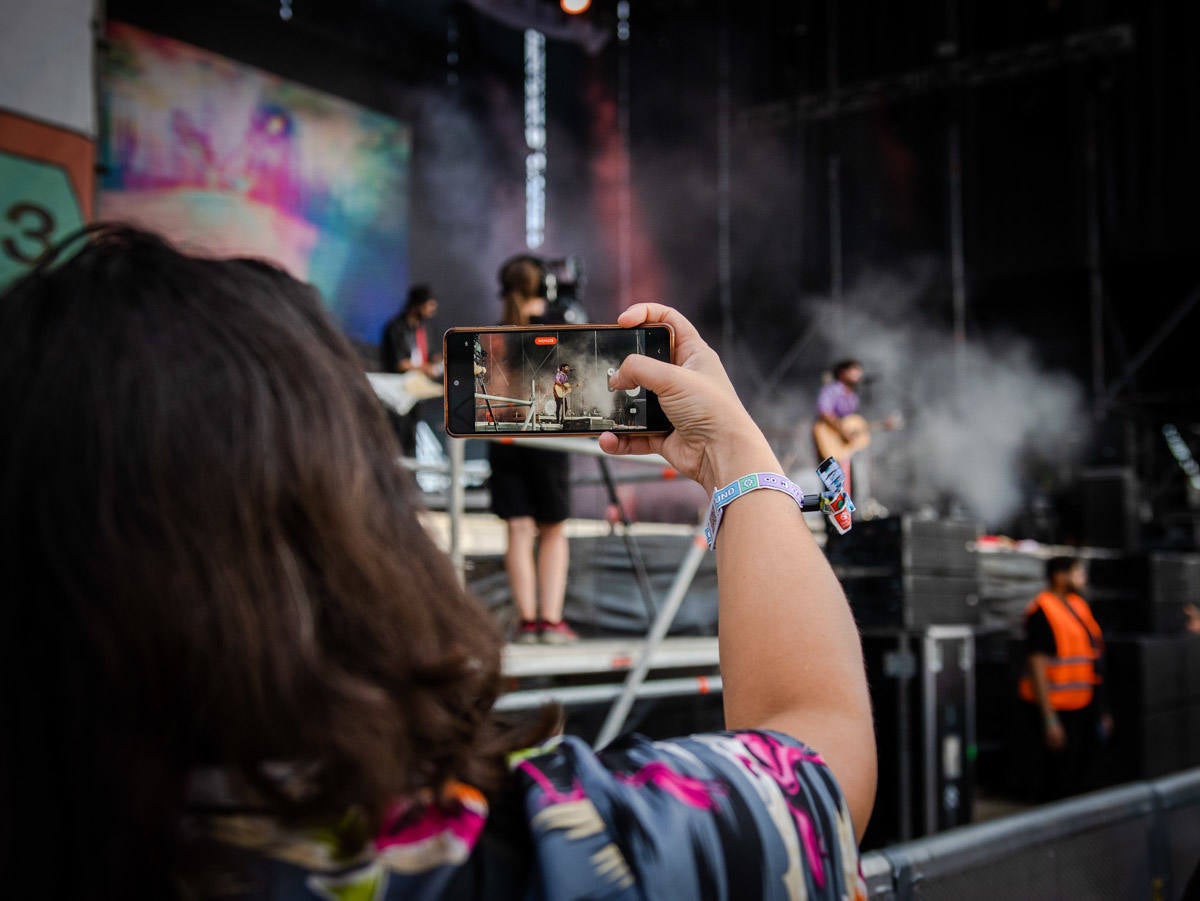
597,694
635,684
1137,841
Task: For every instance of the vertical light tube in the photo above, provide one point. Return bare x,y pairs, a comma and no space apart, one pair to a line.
535,139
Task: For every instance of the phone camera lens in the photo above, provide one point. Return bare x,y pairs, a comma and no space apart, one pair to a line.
456,383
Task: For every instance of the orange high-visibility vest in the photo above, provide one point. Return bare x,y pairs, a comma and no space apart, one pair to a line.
1071,674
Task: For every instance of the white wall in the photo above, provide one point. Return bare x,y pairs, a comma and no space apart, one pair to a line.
46,54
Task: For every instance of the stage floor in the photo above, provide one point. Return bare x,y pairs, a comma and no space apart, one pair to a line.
485,534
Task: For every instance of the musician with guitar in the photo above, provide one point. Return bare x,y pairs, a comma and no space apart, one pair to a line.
839,431
404,349
562,387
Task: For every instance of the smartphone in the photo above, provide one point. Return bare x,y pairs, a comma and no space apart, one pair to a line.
550,380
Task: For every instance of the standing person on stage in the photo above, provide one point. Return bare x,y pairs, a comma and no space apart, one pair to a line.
839,398
836,403
530,492
839,431
562,387
1063,685
405,348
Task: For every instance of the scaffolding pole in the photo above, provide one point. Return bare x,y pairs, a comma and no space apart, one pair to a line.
834,177
457,500
1094,250
725,186
625,189
958,264
662,624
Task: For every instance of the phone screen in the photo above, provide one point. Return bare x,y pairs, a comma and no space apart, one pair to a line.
549,380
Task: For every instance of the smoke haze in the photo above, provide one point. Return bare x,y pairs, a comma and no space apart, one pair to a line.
976,426
979,424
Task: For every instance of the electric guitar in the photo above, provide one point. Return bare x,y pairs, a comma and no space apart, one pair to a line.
402,390
858,435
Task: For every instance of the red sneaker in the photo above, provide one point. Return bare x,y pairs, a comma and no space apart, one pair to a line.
558,633
528,632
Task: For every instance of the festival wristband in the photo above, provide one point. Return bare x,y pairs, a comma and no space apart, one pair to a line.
723,497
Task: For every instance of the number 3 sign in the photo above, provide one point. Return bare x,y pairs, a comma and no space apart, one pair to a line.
38,208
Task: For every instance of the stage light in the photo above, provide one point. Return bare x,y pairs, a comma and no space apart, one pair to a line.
575,7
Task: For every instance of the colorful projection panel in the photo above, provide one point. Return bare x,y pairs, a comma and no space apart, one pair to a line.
224,158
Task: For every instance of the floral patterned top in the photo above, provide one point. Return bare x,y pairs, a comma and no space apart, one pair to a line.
726,815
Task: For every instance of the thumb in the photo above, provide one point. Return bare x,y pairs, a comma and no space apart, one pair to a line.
639,371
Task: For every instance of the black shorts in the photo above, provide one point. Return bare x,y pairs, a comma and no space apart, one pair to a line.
530,482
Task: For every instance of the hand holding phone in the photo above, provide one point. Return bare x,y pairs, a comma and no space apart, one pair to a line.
714,439
549,380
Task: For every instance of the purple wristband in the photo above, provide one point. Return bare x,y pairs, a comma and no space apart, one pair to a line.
723,497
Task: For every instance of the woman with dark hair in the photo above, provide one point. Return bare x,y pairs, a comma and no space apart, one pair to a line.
219,679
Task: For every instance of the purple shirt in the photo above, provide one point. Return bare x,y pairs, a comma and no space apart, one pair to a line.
836,400
561,377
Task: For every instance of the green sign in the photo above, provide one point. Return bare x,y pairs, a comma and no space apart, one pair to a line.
38,208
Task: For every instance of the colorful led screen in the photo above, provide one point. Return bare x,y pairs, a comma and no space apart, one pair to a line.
227,159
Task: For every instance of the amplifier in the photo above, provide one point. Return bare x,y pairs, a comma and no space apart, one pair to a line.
1192,745
1145,592
908,601
1174,578
1161,577
1008,581
1148,674
1110,507
1191,668
1122,614
908,544
1012,566
1153,746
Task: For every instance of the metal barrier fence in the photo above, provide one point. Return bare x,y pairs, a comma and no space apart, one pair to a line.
1139,841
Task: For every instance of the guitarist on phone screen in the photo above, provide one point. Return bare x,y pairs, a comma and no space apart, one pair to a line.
562,387
839,431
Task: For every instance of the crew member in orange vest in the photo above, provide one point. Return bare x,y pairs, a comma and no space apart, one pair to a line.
1063,682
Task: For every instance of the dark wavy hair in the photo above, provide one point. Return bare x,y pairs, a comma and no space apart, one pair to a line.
521,277
211,558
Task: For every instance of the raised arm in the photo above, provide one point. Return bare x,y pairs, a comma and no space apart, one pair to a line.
790,653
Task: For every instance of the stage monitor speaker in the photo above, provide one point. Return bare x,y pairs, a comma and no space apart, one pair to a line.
1110,507
1151,685
1144,592
1147,674
909,544
907,601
